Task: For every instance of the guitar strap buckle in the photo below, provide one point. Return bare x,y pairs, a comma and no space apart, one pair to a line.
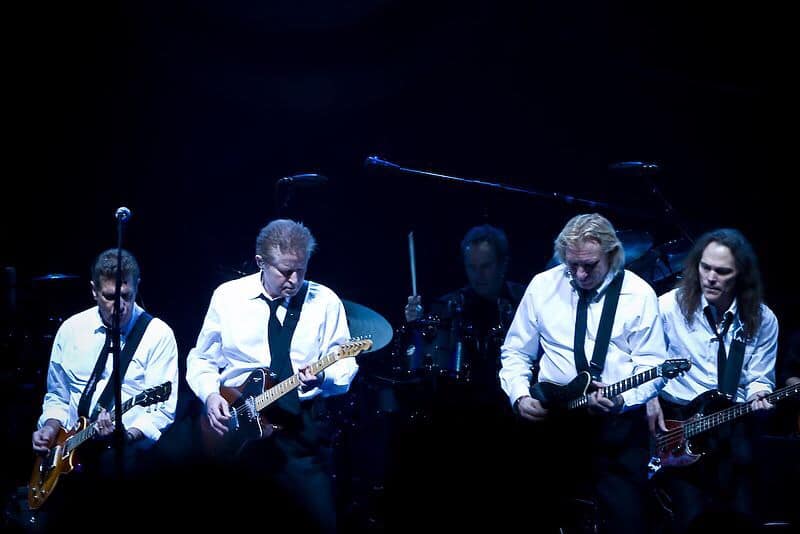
595,370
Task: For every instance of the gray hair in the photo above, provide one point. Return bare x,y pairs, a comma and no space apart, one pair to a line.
591,227
285,236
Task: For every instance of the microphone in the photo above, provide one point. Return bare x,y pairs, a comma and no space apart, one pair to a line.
123,213
375,161
304,180
643,167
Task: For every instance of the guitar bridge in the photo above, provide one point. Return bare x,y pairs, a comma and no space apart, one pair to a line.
653,466
250,408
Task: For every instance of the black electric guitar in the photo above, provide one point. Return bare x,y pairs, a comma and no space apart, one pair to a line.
62,458
677,447
248,402
576,394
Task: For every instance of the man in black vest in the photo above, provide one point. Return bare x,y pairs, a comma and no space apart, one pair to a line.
585,317
79,377
717,317
277,320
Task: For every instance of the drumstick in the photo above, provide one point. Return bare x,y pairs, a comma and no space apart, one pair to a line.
413,263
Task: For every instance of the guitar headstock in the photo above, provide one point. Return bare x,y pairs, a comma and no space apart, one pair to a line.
354,346
155,394
672,368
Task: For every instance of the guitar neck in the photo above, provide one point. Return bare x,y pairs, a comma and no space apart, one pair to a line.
623,385
737,410
91,430
282,388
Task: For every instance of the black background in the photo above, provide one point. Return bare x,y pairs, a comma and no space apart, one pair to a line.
189,112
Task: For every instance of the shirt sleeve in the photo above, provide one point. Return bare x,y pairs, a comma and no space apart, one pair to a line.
56,400
759,375
335,333
648,350
161,366
205,359
519,350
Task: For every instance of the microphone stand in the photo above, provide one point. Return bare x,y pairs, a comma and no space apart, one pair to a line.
119,433
645,171
669,211
567,199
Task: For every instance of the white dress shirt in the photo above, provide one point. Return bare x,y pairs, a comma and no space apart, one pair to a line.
233,340
698,343
76,347
546,318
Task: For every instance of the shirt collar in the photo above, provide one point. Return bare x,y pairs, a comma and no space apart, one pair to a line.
255,289
99,327
732,309
599,290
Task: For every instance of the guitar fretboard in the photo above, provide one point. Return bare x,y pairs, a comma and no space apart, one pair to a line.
623,385
723,416
282,388
91,430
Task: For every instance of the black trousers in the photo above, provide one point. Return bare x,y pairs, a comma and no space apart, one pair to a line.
95,496
576,462
291,474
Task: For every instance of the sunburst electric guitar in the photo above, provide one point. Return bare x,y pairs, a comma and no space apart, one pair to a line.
62,458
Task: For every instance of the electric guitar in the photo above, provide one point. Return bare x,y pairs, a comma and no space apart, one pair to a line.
62,458
676,448
576,394
249,401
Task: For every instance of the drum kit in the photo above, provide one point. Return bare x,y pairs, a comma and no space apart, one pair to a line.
428,347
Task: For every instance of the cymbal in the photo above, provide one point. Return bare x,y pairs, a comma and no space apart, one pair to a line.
635,243
364,322
55,276
670,258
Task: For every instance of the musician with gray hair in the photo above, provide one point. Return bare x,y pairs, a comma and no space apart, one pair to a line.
590,317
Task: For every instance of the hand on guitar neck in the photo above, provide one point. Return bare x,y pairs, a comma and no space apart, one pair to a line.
599,404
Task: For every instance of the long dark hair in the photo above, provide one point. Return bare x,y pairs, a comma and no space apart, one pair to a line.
748,287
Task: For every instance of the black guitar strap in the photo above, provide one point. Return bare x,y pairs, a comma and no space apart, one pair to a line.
106,399
605,326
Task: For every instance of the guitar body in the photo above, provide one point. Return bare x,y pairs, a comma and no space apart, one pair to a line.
48,468
249,401
62,459
246,422
576,394
554,396
681,451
